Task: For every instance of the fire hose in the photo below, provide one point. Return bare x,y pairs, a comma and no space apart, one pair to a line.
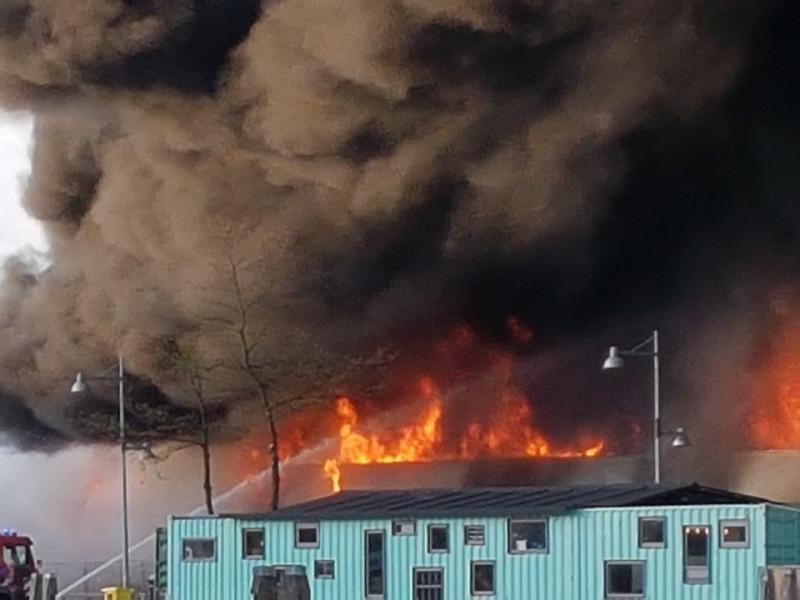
150,538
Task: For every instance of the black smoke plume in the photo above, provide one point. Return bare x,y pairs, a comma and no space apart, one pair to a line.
399,167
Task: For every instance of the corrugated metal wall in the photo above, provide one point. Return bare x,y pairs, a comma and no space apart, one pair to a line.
573,569
783,536
612,534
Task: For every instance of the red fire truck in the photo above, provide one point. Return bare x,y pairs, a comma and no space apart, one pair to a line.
16,565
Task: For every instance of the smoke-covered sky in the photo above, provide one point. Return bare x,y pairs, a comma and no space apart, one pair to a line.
17,229
388,169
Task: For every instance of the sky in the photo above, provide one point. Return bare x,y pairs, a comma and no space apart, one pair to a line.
17,230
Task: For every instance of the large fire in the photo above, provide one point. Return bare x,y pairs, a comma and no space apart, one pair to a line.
505,428
465,403
467,407
775,422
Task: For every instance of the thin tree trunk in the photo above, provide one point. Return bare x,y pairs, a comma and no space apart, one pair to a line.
207,474
275,458
205,446
274,453
247,363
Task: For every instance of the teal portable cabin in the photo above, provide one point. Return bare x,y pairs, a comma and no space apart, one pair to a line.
578,543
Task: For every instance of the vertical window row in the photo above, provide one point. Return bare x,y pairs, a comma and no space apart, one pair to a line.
625,579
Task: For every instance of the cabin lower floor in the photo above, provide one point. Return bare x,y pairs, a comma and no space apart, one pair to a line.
294,582
734,551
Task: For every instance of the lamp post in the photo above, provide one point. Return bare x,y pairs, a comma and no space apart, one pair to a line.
649,348
81,386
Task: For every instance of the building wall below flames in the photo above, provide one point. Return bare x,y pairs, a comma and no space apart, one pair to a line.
579,544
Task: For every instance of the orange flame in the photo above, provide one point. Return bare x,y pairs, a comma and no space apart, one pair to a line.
774,423
333,473
506,433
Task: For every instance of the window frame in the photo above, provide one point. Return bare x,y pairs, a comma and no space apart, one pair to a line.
416,570
306,525
446,528
328,561
653,545
367,594
467,541
213,540
482,563
726,523
509,541
607,595
685,543
400,522
245,532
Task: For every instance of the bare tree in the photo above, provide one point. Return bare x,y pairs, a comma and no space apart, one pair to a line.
281,365
188,368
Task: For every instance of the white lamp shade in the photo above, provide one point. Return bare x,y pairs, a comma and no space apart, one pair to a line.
614,360
79,386
681,440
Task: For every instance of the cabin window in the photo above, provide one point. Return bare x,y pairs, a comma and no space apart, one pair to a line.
734,534
404,527
696,554
197,549
624,579
374,558
527,536
652,532
474,535
483,578
438,538
324,569
15,555
428,584
254,543
306,535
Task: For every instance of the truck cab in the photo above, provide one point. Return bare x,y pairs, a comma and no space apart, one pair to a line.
17,564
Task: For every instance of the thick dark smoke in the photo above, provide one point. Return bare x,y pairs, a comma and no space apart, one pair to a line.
394,168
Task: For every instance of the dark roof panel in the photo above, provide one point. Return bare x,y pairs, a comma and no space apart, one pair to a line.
499,502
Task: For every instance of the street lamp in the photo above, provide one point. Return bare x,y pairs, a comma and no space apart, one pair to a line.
681,440
649,349
81,386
